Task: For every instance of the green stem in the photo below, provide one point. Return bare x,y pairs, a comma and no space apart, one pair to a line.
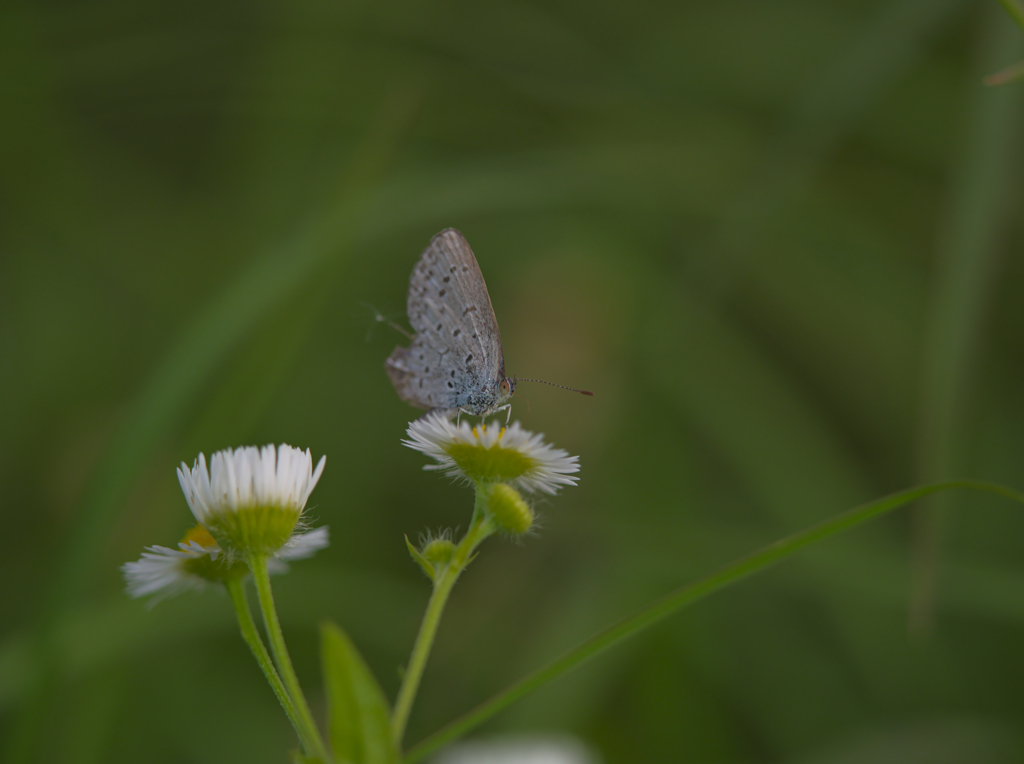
309,735
479,529
259,652
682,597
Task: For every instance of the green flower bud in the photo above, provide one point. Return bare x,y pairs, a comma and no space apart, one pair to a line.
438,552
435,555
508,509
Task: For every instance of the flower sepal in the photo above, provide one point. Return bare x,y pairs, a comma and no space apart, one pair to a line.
256,529
428,569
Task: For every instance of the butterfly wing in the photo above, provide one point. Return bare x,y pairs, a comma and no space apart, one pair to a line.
455,360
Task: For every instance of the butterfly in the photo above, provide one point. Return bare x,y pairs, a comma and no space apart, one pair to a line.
455,363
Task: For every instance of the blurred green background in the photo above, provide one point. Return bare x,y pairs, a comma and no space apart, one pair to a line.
780,240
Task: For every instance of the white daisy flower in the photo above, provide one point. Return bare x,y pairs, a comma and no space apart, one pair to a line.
492,453
199,561
251,500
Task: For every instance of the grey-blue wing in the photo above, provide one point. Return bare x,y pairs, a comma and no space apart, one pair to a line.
455,359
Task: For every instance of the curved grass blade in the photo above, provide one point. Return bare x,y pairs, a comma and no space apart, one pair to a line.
965,276
687,595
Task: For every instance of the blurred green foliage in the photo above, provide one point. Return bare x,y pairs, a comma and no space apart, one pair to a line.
781,242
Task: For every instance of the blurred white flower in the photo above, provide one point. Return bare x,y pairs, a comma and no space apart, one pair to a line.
519,749
199,561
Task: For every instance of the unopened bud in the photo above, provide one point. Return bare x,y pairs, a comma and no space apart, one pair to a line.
438,552
509,509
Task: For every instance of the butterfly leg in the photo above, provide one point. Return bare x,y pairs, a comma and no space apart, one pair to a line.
507,407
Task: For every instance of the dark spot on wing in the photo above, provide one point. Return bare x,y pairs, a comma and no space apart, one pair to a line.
447,278
469,358
470,309
450,385
439,327
457,332
441,293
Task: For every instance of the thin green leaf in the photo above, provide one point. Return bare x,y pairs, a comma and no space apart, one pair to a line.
420,559
358,712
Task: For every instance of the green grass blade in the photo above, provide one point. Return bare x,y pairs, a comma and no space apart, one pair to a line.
687,595
1016,11
274,278
965,278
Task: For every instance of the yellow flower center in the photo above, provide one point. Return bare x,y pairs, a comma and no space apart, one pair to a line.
200,535
205,566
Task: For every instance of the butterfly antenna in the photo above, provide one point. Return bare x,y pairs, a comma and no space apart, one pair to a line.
380,318
570,389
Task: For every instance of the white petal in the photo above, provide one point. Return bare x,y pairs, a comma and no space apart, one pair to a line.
314,479
433,434
160,570
303,545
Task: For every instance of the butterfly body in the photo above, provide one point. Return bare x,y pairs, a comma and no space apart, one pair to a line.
455,362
